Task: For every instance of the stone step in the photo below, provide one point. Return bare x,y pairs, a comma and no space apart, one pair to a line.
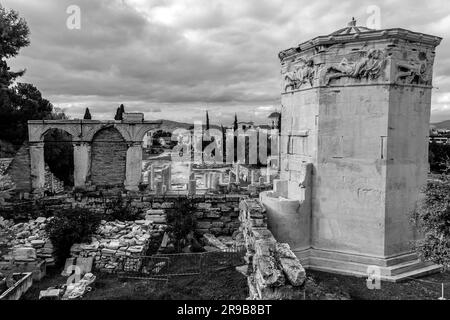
407,267
395,273
416,273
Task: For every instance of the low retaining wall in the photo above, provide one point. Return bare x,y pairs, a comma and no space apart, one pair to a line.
216,214
274,272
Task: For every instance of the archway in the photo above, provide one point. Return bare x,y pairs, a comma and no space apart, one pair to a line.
108,154
58,156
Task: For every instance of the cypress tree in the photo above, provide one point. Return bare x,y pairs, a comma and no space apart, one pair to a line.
87,115
207,121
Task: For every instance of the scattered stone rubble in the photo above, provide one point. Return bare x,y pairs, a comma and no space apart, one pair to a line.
116,241
28,241
26,247
274,272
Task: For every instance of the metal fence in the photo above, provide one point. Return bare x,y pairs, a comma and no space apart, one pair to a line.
162,266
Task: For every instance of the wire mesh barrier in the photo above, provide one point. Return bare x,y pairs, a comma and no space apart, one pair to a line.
160,267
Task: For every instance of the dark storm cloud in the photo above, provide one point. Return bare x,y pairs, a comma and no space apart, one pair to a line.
177,56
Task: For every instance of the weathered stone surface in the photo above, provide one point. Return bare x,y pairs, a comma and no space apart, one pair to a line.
275,272
267,272
204,224
283,250
213,241
109,152
293,270
24,253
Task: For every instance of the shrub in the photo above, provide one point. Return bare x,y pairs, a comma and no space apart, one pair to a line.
182,221
121,210
69,227
433,219
439,157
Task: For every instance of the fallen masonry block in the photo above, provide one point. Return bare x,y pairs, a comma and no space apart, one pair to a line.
24,254
267,273
37,243
242,269
264,247
211,249
293,271
158,219
283,250
213,241
41,220
85,264
155,212
108,251
50,294
68,267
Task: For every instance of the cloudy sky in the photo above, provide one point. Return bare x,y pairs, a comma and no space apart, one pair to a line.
173,59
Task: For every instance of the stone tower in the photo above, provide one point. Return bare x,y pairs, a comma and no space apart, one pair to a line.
355,119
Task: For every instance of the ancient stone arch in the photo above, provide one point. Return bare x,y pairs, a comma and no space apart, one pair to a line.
132,131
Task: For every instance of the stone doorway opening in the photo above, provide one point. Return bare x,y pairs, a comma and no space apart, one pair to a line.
58,157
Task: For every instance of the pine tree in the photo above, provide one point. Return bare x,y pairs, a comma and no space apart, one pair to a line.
224,147
87,115
279,122
119,113
235,128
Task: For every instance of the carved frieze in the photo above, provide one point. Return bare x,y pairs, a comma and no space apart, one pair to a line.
297,75
416,69
370,65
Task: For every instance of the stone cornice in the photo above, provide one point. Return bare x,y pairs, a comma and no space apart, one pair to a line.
395,33
91,122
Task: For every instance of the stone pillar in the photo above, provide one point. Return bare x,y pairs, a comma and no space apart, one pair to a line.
166,178
133,170
82,163
158,188
238,178
206,180
192,187
229,145
37,163
210,180
215,181
169,177
252,177
191,173
152,177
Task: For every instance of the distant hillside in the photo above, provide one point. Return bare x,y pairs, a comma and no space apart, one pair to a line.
169,125
441,125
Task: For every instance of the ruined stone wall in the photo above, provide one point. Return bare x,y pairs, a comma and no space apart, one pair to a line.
274,272
216,214
19,169
109,153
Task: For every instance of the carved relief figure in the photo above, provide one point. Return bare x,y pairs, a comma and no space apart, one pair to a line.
369,67
414,71
299,76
